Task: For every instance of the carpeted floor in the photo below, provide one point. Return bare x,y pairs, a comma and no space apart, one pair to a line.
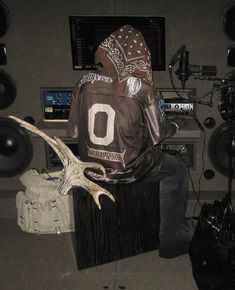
47,262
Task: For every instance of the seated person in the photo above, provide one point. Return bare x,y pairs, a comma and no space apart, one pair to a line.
118,117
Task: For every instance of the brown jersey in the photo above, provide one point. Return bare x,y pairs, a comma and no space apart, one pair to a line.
118,132
116,113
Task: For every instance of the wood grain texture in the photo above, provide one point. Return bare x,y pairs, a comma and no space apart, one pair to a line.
128,227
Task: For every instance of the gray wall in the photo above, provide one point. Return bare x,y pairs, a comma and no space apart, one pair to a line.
38,41
39,52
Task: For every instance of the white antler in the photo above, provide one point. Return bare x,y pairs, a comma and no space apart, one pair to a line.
73,167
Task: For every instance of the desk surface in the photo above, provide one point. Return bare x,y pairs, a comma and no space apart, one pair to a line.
190,131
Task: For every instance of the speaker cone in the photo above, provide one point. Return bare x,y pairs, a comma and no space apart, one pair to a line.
7,90
15,148
4,18
228,21
218,149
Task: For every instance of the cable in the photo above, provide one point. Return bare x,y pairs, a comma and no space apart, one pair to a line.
191,181
198,202
212,91
52,178
179,153
188,93
173,86
196,98
198,196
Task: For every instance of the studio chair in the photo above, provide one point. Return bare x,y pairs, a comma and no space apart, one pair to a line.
128,227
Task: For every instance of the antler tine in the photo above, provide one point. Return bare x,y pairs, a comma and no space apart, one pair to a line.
74,168
64,150
96,190
33,129
36,131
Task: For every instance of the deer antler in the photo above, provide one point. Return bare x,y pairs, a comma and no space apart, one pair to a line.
73,167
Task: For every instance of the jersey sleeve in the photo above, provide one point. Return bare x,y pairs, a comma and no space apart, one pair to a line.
159,126
72,128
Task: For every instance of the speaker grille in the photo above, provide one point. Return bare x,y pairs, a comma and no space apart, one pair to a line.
4,18
15,148
218,149
7,90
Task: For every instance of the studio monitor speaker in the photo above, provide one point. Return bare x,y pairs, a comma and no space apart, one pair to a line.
4,18
221,144
228,20
15,148
212,170
218,148
7,90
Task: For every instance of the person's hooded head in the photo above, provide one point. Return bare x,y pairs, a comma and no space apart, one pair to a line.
123,54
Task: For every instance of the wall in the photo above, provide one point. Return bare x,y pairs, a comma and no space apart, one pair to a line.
39,52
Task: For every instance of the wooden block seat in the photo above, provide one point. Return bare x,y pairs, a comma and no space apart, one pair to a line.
128,227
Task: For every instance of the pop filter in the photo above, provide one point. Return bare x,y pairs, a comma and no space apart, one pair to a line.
176,56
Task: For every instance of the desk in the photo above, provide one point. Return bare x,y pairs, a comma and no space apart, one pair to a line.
190,131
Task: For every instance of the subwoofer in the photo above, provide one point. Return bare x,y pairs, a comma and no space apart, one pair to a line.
16,149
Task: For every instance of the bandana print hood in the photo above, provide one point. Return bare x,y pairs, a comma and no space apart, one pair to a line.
123,54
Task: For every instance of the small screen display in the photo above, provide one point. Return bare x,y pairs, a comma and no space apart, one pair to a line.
56,103
58,98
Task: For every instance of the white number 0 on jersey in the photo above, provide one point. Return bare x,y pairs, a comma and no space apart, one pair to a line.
109,136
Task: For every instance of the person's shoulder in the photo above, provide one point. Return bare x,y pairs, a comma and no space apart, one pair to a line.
92,77
141,91
135,86
94,82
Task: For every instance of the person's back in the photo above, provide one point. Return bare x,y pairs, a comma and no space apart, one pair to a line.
114,132
118,117
117,111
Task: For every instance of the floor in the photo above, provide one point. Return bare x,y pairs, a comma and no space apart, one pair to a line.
38,262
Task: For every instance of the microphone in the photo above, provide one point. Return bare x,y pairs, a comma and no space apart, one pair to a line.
183,71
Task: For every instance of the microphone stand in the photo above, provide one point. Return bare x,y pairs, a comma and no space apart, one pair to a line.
227,112
228,115
231,149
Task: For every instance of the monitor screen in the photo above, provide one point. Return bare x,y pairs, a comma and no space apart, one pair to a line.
56,103
87,32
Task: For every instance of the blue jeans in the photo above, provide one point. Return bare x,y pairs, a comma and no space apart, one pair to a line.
173,196
173,177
